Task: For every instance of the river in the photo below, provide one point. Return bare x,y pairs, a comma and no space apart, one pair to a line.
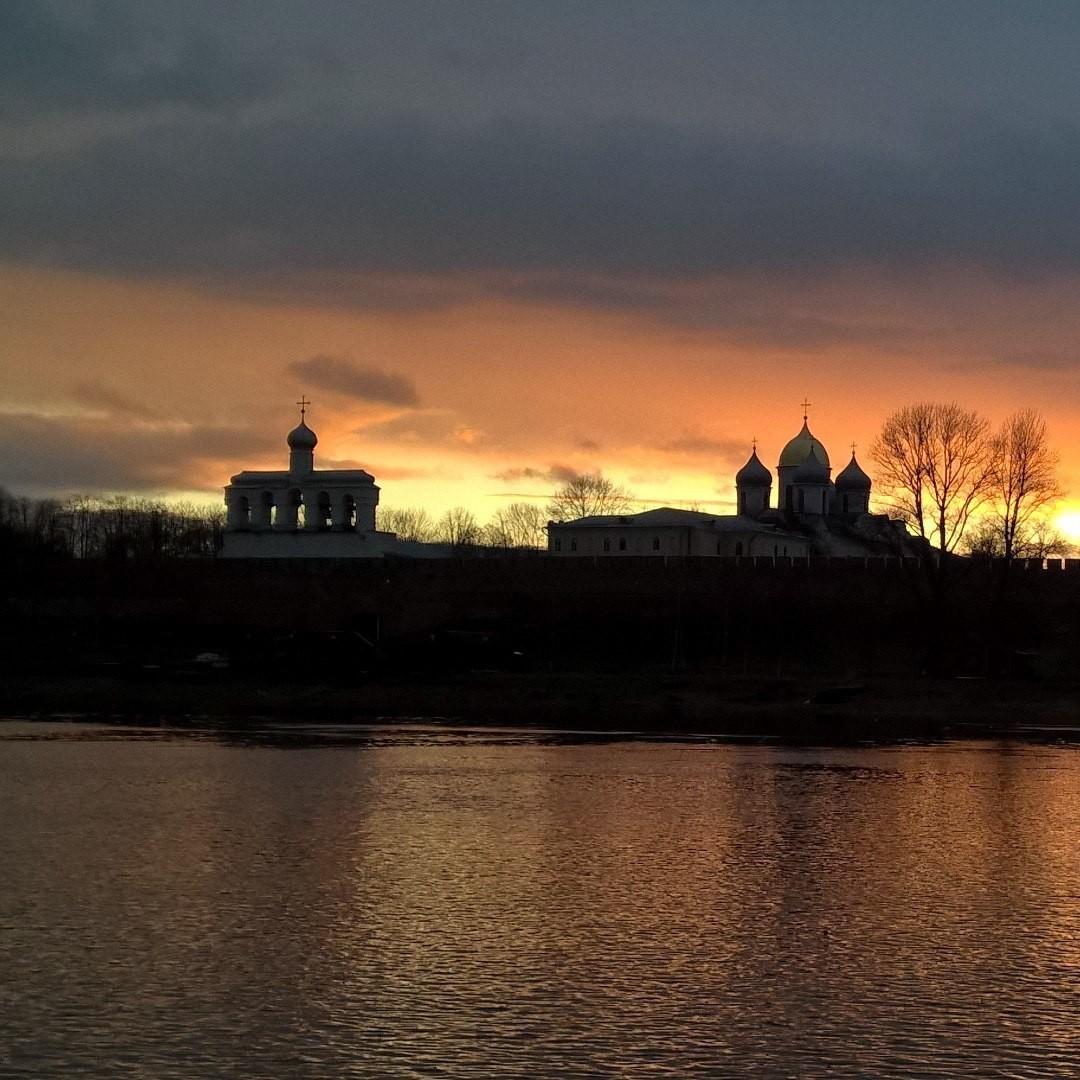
430,902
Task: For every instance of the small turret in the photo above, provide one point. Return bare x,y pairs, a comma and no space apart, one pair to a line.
810,482
753,483
302,442
853,489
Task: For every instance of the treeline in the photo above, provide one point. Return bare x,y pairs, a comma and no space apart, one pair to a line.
115,526
123,526
518,525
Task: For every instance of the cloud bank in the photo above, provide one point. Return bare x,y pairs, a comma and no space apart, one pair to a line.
618,197
341,376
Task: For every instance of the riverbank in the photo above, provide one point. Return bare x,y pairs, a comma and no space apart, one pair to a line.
646,700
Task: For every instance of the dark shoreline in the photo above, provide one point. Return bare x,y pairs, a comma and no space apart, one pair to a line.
648,702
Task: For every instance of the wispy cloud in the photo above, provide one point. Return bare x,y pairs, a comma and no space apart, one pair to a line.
341,376
98,396
59,454
702,446
550,474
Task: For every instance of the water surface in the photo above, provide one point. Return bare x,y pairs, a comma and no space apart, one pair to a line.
444,903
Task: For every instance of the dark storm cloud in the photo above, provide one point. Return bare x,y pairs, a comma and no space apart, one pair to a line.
528,198
119,55
60,454
341,376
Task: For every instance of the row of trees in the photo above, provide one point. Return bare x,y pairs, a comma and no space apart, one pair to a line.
518,525
87,526
964,487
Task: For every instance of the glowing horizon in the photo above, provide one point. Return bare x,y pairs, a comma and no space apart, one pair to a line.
512,263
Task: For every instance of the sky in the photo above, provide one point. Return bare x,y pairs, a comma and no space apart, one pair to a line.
496,243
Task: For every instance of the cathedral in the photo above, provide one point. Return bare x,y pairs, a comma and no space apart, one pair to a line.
814,514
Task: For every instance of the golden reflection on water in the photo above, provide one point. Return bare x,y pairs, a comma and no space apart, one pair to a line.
473,908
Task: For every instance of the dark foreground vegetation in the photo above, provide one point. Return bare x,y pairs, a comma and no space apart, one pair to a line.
813,651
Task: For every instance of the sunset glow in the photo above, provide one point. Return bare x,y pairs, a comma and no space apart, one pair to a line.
495,261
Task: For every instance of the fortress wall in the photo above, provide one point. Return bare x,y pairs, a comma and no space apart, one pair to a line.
828,614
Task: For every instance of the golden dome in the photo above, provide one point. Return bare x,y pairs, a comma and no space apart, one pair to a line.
798,450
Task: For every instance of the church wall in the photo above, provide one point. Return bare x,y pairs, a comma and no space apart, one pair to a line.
569,539
671,540
784,474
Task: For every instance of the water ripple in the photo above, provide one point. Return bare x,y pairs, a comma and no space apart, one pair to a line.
453,908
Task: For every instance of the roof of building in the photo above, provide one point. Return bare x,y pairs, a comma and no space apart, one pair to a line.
671,516
753,472
852,476
302,438
313,479
798,449
812,470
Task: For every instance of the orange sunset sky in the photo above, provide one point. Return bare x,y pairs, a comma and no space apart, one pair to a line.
495,243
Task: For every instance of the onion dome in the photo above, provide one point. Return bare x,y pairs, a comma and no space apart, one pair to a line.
852,478
796,451
753,473
811,471
302,438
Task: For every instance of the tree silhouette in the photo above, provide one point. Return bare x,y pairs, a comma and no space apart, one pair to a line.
935,463
587,494
1023,481
518,525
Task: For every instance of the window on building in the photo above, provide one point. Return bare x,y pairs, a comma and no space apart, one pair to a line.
607,544
557,545
738,547
573,545
622,543
656,543
719,545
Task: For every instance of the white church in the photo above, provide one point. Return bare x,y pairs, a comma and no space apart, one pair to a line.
304,512
813,515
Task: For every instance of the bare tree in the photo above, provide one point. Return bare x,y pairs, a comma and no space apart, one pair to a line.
458,527
518,525
1041,540
409,522
935,462
1023,481
587,494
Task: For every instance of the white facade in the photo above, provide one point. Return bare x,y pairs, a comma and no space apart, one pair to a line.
305,512
668,531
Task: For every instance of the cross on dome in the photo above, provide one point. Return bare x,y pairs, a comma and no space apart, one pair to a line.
805,407
303,403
